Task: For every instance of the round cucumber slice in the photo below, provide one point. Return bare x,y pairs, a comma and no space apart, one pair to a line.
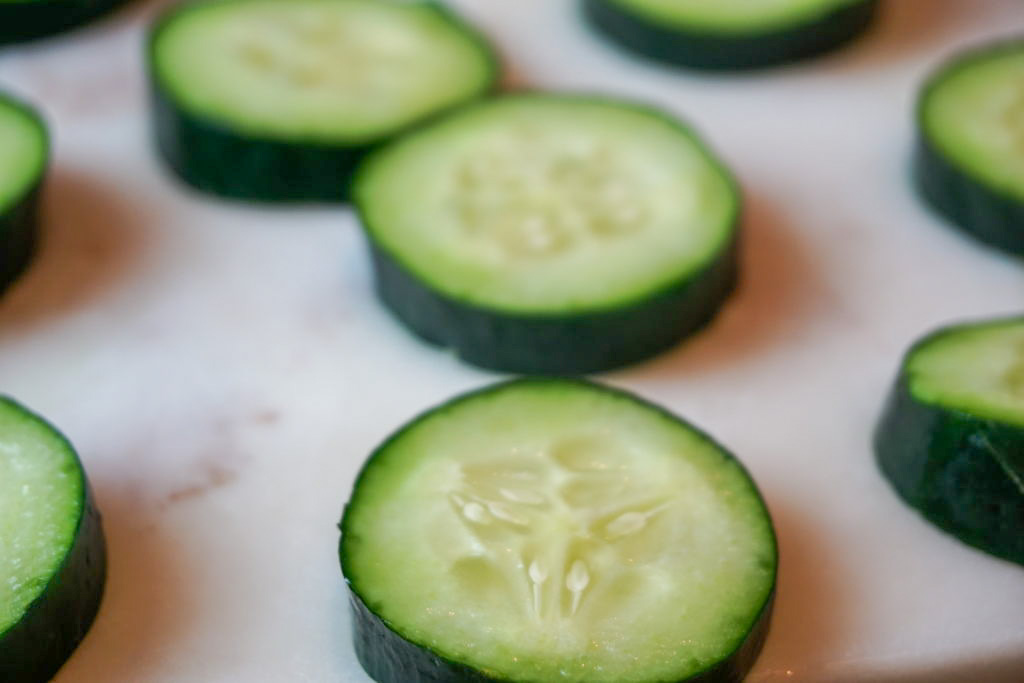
270,100
969,163
730,34
951,439
22,20
549,233
553,529
52,551
24,151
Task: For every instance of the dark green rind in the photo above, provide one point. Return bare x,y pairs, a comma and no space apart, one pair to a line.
214,159
389,658
32,19
19,227
211,157
560,343
983,212
702,49
557,344
941,462
38,645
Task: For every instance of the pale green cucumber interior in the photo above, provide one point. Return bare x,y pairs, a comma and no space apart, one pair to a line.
977,369
747,16
324,70
549,204
973,112
41,500
551,530
23,150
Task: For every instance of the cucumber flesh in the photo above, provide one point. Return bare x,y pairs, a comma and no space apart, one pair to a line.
330,71
969,162
549,530
545,204
52,552
550,234
23,152
978,370
973,113
951,438
40,498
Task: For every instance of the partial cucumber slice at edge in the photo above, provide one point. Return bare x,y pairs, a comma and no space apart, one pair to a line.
950,436
44,635
948,164
24,147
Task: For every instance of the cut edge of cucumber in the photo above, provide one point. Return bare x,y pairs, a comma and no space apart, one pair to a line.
390,656
51,627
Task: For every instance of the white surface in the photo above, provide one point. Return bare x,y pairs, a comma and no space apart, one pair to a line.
224,370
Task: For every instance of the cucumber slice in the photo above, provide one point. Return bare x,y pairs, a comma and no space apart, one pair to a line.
52,552
555,529
270,100
730,34
549,233
24,150
951,439
22,20
969,163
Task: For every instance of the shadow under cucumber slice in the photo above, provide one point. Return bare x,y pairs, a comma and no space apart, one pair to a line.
553,234
951,438
52,550
554,529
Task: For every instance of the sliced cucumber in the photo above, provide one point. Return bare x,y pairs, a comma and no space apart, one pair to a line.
951,440
22,20
270,100
52,552
730,34
970,155
552,529
547,233
24,150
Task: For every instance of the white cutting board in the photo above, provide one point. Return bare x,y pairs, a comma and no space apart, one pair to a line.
224,369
